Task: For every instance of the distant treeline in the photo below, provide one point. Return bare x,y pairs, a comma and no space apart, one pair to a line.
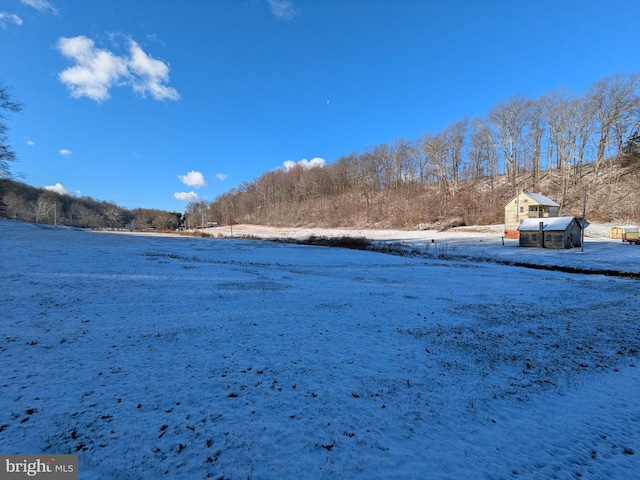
570,148
558,144
23,202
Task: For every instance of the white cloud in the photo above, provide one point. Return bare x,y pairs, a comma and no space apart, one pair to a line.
186,196
64,152
221,176
304,163
283,9
40,5
150,74
6,17
30,142
98,70
58,188
193,179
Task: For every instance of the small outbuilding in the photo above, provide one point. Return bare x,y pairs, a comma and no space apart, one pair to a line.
527,205
618,232
556,232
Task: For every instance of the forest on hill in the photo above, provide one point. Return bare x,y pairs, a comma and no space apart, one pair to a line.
20,201
569,148
564,146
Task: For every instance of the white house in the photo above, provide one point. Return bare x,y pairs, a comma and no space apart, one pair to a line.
527,205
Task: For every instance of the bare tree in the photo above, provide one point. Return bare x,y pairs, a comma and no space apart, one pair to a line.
7,155
42,207
455,135
111,213
508,120
404,164
535,135
382,159
483,154
165,221
435,149
564,119
615,104
585,122
17,207
345,173
81,216
197,214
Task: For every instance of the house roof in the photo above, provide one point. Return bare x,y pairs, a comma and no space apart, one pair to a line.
541,199
549,224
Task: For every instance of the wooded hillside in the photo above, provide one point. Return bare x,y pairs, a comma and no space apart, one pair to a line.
561,145
613,198
558,144
23,202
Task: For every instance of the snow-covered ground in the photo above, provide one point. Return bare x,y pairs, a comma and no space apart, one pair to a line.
182,357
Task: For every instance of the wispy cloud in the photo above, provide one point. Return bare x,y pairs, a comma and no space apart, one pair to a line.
41,5
304,163
29,142
6,18
193,179
221,176
149,75
186,196
283,9
97,70
64,152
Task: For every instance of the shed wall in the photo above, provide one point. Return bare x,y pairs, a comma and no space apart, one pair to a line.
569,238
616,232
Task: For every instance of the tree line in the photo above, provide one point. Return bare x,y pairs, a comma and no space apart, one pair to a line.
557,144
23,202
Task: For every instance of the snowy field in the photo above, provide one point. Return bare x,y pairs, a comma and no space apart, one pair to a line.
175,357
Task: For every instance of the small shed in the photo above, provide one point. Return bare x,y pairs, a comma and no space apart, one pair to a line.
527,205
618,232
556,232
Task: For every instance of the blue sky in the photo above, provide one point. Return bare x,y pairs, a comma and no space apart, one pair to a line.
156,103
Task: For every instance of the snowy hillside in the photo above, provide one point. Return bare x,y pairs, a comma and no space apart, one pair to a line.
175,357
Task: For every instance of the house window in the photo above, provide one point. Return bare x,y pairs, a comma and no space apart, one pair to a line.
521,209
